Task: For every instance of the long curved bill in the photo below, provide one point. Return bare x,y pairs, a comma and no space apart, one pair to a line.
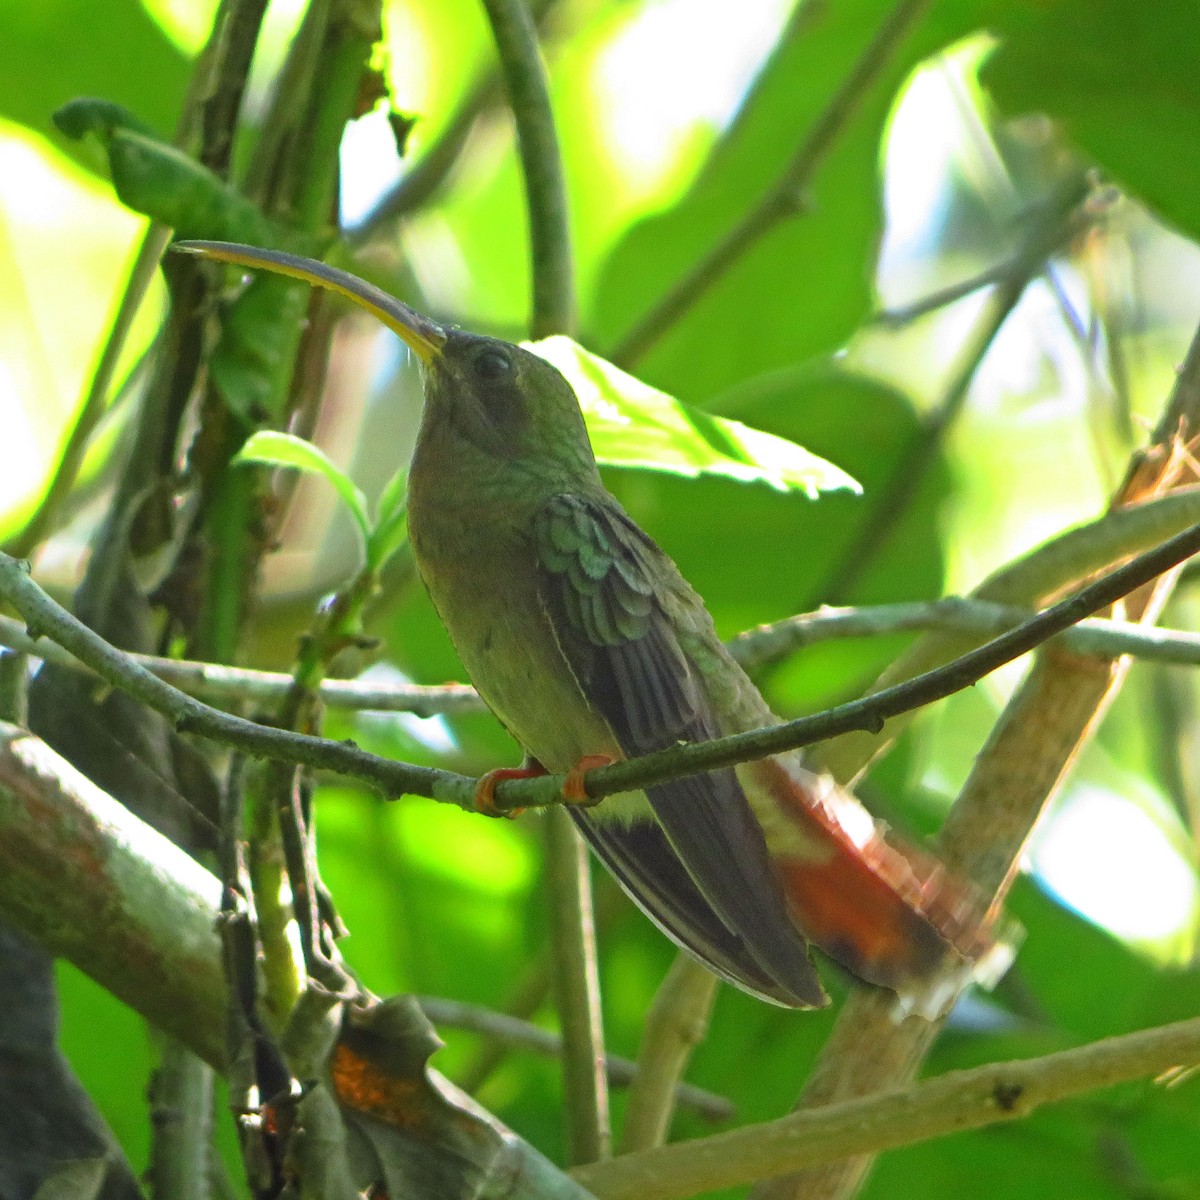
424,337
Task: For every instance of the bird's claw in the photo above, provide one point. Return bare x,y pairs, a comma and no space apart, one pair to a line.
573,790
485,789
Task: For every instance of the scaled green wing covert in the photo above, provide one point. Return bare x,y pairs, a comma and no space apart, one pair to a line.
608,590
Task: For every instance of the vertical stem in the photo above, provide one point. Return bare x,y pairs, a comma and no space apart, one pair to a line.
677,1022
541,165
577,989
181,1111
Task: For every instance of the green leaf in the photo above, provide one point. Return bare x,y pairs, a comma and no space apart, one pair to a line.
1121,80
285,450
154,178
635,425
391,520
801,290
74,47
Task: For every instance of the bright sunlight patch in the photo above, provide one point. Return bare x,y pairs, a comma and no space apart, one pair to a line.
634,425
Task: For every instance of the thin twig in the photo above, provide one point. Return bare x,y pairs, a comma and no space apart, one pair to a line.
422,182
675,1025
785,199
191,716
518,1034
528,994
1058,220
905,314
956,614
220,684
210,111
95,400
1029,582
44,615
950,1103
541,164
217,684
427,175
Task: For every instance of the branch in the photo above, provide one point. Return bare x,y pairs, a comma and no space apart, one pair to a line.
785,199
219,684
41,613
181,1123
238,685
76,868
869,713
191,716
1029,582
135,912
93,883
1049,719
956,614
951,1103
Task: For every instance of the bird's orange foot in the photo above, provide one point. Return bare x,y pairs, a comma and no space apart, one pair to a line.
485,789
573,790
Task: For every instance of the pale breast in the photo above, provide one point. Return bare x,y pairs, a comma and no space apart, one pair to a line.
485,591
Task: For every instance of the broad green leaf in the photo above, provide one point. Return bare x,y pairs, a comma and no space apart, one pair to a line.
635,425
285,450
68,48
801,290
1121,80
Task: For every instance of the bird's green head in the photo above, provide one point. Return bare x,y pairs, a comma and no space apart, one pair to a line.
488,403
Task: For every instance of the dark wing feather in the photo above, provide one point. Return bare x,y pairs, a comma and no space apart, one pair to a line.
599,579
641,859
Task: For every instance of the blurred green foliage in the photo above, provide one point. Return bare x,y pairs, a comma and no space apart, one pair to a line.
445,904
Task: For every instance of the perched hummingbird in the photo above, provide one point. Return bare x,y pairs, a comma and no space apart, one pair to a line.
589,646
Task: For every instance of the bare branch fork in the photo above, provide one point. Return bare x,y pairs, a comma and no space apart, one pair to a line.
44,616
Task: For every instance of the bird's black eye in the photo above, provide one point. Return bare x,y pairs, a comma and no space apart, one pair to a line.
492,364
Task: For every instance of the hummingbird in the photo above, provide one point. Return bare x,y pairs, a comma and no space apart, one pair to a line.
589,646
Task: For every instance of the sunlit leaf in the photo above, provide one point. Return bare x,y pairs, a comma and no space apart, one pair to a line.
285,450
1122,84
154,178
635,425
